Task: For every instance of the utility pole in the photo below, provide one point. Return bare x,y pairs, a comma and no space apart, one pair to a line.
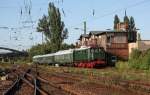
42,37
42,47
84,27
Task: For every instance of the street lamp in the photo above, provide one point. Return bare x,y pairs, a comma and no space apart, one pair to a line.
81,28
137,29
108,29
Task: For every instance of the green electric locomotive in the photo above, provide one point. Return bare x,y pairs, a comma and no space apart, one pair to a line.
89,57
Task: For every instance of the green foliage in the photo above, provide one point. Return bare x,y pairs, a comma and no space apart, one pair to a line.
135,54
126,20
131,24
122,65
140,60
46,48
53,28
139,36
67,46
116,21
39,50
36,50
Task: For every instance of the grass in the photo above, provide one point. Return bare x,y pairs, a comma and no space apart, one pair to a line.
122,71
5,65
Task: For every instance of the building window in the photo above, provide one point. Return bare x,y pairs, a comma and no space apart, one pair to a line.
109,39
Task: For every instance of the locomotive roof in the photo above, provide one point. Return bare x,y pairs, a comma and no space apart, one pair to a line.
64,52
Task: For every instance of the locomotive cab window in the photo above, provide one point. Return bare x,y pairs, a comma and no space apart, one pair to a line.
113,58
96,50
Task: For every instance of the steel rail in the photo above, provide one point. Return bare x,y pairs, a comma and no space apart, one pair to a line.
36,88
11,90
14,86
47,82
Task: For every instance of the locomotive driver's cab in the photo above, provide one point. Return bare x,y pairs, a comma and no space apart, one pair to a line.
113,59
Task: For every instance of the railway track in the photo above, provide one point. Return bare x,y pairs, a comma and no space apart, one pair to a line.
29,83
48,86
39,82
115,83
134,86
22,82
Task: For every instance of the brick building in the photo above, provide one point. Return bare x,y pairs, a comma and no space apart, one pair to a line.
122,26
112,41
141,45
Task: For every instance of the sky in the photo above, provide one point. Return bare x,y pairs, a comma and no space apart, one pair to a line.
14,33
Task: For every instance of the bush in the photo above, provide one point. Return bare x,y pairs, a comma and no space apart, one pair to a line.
122,65
140,60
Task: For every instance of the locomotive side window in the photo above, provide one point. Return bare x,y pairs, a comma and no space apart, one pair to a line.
99,50
96,50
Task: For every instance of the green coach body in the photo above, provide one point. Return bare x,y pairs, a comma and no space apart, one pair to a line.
64,57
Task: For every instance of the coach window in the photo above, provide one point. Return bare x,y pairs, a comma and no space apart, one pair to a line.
81,51
85,51
92,50
95,50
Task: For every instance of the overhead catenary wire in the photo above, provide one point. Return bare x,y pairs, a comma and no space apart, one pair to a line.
88,19
107,14
111,13
93,9
119,10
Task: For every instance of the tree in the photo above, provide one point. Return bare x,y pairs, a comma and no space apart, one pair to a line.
43,26
116,21
126,21
53,28
139,36
67,46
131,24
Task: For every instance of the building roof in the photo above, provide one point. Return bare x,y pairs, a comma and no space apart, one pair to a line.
95,32
84,35
103,32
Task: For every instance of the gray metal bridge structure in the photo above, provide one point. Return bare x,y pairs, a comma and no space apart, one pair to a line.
12,55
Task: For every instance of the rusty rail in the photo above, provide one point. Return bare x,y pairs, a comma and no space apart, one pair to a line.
14,86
